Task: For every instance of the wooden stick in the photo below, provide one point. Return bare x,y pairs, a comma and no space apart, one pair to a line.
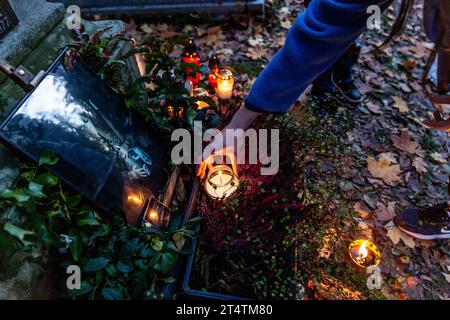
171,186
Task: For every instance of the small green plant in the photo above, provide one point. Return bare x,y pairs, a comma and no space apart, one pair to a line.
118,261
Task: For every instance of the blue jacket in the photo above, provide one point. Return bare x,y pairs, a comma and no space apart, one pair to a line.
319,36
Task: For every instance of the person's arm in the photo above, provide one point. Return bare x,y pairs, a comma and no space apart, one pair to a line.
317,39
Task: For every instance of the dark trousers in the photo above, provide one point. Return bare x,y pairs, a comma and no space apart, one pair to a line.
341,71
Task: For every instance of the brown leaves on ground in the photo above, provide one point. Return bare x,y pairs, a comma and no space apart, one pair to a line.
404,142
400,104
384,168
385,213
395,234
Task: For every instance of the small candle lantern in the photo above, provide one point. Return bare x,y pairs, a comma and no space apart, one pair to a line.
221,182
135,199
190,56
214,65
201,92
170,111
156,214
364,253
225,83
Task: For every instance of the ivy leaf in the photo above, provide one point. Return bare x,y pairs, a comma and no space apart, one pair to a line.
112,294
18,232
36,190
129,249
179,240
18,194
111,270
89,219
47,179
157,244
48,157
95,264
28,175
167,261
124,266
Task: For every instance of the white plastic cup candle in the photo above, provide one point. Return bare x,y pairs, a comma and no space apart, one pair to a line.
221,182
225,83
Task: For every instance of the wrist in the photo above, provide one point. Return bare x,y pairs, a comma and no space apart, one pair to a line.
243,118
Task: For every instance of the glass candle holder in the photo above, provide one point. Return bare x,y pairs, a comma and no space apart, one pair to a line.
225,84
364,253
220,182
156,214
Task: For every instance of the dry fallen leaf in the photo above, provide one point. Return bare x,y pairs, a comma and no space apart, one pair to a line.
385,213
436,156
447,277
361,209
383,169
420,165
256,53
373,107
404,142
400,104
395,234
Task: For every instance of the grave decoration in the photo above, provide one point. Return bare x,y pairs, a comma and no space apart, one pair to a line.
106,152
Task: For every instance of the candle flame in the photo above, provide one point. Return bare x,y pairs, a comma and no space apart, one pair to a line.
152,215
135,199
363,250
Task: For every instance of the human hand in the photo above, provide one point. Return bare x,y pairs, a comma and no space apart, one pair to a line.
218,149
221,147
438,123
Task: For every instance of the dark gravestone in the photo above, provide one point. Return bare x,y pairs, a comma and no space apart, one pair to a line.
8,18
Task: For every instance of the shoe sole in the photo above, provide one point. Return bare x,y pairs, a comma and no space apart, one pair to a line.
345,96
425,237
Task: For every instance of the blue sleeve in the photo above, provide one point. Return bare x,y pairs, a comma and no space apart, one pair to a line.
319,36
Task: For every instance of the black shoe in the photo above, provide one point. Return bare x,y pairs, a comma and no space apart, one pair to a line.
427,223
320,94
349,91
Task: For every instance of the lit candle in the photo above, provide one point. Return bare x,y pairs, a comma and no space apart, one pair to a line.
221,182
214,65
225,83
190,56
135,199
156,214
201,92
364,253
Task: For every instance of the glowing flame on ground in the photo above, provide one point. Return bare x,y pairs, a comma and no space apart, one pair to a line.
363,250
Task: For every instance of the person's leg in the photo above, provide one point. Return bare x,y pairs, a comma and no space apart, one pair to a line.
342,74
323,86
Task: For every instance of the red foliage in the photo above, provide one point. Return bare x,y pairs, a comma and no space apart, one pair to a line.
260,210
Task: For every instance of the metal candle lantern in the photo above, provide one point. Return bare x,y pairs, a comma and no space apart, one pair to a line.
221,182
156,214
364,253
225,83
201,92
